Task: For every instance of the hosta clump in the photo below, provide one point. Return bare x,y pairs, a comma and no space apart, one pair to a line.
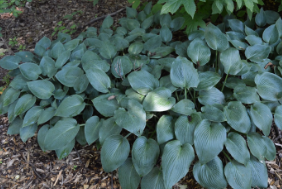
157,106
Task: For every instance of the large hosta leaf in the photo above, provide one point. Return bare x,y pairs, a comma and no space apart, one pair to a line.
269,86
270,34
158,100
30,71
41,136
207,79
211,97
92,60
107,50
209,139
32,115
237,147
114,152
28,132
108,128
183,73
42,89
61,134
66,150
270,153
73,104
46,115
246,94
131,116
213,113
199,52
68,75
128,177
259,173
10,96
238,175
210,175
257,53
24,103
237,116
142,81
145,153
176,160
185,126
278,117
256,145
98,79
164,129
47,65
185,107
231,61
215,38
153,180
106,104
262,117
15,126
121,66
91,129
10,62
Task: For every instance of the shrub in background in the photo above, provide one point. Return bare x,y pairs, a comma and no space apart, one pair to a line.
154,104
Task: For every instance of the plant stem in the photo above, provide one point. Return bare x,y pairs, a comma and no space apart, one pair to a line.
128,135
185,93
216,63
177,97
224,82
81,125
226,155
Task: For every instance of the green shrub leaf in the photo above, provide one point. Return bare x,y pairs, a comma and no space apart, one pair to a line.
164,129
108,22
210,175
262,117
24,103
176,160
158,100
145,153
199,52
256,145
135,48
42,89
215,39
183,74
211,97
32,115
68,75
237,116
153,43
28,132
153,180
185,127
237,147
105,105
213,113
15,126
269,86
208,80
41,136
107,50
30,71
10,96
46,115
74,104
245,94
91,129
92,60
128,177
57,49
108,128
98,79
10,62
166,34
257,53
114,152
66,150
209,139
231,61
259,173
61,134
177,23
270,153
47,65
238,175
121,66
184,106
278,117
62,59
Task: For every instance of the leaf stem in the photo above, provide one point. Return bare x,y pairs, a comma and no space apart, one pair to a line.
128,135
226,155
176,94
216,62
224,82
81,125
185,93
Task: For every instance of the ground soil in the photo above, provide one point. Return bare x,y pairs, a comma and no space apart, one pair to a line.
24,165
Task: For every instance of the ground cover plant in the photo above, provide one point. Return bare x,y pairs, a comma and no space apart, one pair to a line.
158,107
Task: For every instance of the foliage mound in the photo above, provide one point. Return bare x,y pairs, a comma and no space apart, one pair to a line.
156,105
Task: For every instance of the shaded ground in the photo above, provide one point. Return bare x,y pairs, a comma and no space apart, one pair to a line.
24,165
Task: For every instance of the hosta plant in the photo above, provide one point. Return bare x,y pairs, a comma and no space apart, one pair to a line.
158,107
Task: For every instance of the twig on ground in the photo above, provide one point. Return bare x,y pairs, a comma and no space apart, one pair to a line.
96,19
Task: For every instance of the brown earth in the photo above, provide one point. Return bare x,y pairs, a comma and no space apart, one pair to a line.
24,165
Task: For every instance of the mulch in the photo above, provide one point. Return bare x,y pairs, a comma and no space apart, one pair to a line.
24,165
